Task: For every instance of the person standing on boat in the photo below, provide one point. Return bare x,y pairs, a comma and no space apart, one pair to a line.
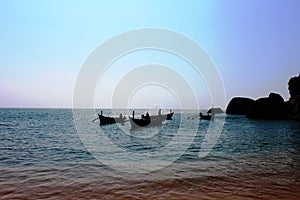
147,116
200,114
159,112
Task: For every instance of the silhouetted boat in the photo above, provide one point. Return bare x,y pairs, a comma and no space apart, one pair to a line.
207,116
104,120
149,121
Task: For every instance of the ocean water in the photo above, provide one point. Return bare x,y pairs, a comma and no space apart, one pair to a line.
45,154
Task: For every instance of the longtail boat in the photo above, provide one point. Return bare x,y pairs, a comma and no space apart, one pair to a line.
104,120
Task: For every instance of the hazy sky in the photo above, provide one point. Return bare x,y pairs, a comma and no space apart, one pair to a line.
254,44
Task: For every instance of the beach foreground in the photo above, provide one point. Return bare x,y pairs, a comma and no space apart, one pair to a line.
42,157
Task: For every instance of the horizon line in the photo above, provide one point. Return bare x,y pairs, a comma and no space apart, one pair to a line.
69,108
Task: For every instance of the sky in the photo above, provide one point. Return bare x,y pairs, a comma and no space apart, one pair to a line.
254,44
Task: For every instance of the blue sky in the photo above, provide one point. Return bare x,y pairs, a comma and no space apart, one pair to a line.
255,44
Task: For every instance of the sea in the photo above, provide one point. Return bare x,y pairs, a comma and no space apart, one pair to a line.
66,154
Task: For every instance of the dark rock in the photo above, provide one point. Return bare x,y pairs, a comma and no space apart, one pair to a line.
215,110
294,86
276,97
294,89
239,106
295,111
272,107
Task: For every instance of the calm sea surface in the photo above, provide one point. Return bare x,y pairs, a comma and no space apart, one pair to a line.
42,156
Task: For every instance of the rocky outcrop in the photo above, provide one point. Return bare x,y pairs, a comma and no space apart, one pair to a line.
271,107
239,106
295,113
215,110
294,89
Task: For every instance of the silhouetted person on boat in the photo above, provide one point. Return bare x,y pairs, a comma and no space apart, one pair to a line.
200,114
159,112
147,116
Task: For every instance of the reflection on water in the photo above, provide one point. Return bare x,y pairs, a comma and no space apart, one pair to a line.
41,156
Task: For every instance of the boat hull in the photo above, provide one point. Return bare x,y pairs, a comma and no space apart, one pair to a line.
206,117
139,123
104,120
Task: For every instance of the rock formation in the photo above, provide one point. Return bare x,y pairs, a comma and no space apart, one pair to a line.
239,106
294,86
215,110
271,107
294,89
